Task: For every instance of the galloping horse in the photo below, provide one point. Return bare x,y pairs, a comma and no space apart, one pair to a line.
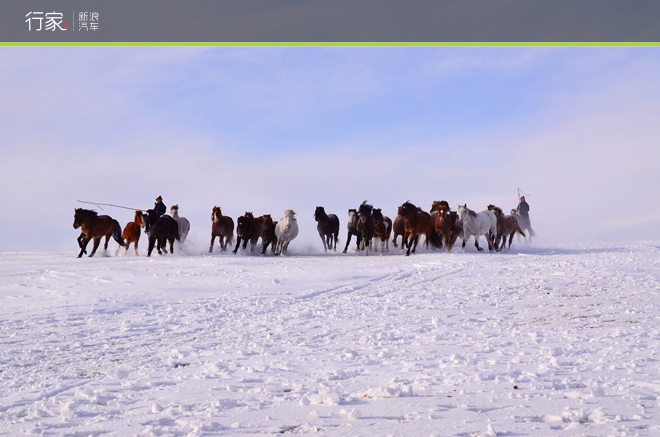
95,226
506,225
382,230
132,232
525,224
286,230
328,227
484,223
268,236
399,228
223,228
365,225
246,227
161,230
448,226
184,224
352,229
436,237
416,222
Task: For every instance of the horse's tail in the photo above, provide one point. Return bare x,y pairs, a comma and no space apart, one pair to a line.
116,233
177,233
520,231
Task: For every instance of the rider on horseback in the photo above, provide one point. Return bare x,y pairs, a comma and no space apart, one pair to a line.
159,206
523,208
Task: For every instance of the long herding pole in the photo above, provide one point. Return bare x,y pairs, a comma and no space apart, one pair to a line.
109,204
520,192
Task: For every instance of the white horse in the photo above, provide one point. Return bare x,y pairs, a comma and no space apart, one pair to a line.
184,224
285,231
484,223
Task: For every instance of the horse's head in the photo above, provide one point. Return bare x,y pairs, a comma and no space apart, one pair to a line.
77,218
408,209
378,215
139,218
462,210
399,211
319,213
365,211
216,214
352,216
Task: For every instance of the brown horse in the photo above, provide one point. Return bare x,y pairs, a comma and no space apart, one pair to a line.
268,236
94,226
223,228
399,228
436,238
506,225
132,232
448,226
417,222
382,230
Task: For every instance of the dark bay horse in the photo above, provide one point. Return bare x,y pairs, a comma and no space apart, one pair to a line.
268,236
436,238
447,226
246,227
365,225
132,232
417,222
328,227
223,228
352,229
399,228
506,225
161,229
382,230
94,226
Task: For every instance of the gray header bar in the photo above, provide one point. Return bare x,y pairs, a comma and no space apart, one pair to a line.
326,21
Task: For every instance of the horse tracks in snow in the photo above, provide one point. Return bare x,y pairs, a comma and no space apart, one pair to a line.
557,341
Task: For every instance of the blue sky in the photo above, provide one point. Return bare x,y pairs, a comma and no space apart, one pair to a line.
267,129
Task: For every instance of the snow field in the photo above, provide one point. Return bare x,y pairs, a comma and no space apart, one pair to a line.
544,341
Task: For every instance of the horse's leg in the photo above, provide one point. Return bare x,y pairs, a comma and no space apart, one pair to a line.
476,243
348,241
83,245
238,244
212,241
172,245
409,244
97,242
135,246
325,245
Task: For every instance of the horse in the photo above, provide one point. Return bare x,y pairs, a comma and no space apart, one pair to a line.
399,228
222,227
436,238
94,226
268,236
132,232
327,227
285,231
365,225
352,229
524,223
382,230
161,230
416,222
246,227
484,223
184,224
506,225
448,226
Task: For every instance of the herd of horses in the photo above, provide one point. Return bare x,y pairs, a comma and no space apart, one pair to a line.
441,228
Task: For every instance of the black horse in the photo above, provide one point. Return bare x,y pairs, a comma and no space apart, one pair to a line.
353,218
328,227
161,229
365,225
268,236
246,226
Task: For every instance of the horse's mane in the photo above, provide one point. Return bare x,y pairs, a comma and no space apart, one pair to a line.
437,203
469,211
174,207
289,213
365,208
496,210
249,214
88,212
378,214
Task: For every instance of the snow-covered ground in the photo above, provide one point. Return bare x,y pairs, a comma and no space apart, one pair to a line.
559,340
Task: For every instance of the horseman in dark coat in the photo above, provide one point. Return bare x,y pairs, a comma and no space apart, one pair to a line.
159,206
523,208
